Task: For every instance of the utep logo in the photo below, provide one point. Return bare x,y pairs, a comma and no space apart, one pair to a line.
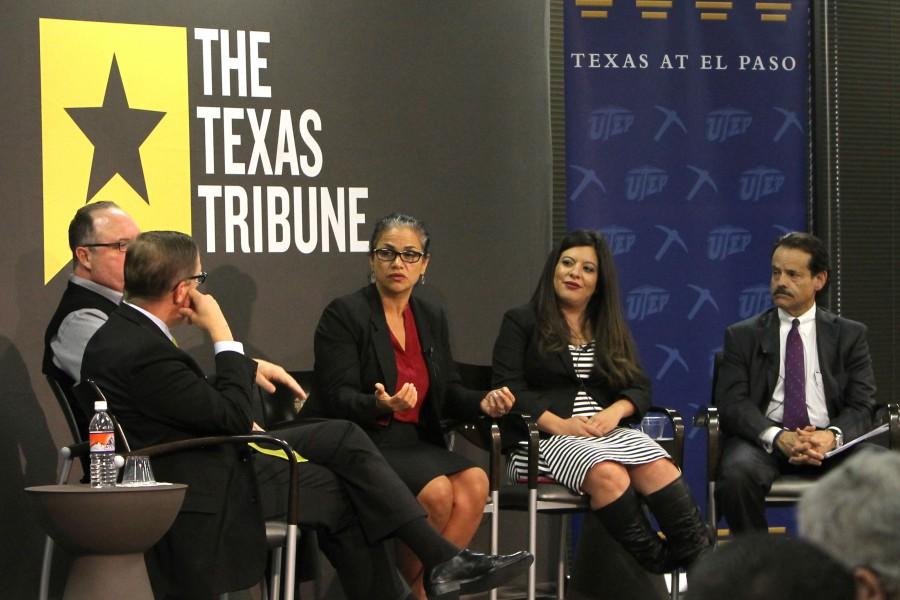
610,121
727,123
753,300
619,239
644,301
644,181
760,182
726,241
114,121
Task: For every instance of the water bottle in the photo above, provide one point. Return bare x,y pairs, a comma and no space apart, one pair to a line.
103,447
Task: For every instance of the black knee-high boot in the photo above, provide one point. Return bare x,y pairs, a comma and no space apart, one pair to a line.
679,518
625,520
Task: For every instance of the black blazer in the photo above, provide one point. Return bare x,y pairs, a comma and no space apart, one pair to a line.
544,382
159,394
353,352
749,372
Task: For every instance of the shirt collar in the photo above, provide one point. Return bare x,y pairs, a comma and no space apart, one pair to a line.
108,293
159,322
805,318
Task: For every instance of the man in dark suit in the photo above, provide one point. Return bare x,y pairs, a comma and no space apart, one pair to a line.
350,495
796,382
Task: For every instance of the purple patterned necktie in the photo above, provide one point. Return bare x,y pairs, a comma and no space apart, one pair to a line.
795,414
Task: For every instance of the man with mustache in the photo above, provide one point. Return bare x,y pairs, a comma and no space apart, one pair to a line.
795,382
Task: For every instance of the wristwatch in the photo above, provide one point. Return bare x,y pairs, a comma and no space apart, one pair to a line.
838,437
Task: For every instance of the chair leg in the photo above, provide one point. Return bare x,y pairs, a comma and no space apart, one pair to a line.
532,541
561,562
495,530
290,561
275,581
711,511
64,468
675,593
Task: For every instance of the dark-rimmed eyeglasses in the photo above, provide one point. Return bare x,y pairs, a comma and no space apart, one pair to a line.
389,254
121,245
200,277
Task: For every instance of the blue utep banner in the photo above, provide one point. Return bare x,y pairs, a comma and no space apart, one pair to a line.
687,145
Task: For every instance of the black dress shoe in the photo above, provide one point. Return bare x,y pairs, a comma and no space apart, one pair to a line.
470,572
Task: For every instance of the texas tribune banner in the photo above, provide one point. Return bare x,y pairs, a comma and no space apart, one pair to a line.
687,145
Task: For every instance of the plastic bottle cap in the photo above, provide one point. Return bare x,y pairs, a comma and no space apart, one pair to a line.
100,405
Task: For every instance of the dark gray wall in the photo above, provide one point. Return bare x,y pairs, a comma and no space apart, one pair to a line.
440,109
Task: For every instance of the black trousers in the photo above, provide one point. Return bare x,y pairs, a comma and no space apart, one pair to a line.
746,474
350,496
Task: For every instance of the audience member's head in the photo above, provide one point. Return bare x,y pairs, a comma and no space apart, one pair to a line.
759,566
854,513
156,262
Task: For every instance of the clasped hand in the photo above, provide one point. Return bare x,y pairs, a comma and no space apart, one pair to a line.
497,403
806,446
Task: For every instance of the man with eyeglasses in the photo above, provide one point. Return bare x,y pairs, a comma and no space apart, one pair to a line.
99,235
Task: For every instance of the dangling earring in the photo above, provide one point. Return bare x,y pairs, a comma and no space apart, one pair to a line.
422,279
372,276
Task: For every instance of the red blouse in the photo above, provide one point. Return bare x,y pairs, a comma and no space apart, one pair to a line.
411,367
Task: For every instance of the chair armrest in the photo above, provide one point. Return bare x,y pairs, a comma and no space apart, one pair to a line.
76,450
708,418
482,432
534,437
293,512
893,426
677,423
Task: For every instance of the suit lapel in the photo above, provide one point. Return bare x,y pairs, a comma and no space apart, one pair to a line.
568,365
381,340
770,347
826,345
426,337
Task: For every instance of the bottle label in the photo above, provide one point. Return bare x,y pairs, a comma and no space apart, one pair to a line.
102,441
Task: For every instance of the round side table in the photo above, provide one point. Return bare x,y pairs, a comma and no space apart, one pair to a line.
108,530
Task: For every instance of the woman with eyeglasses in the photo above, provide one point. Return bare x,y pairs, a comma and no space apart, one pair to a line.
382,360
571,361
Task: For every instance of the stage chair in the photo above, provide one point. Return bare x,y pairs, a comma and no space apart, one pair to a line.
539,496
786,489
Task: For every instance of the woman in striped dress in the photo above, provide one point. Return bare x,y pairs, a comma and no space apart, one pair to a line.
570,360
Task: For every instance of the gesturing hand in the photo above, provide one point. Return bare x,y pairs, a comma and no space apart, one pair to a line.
268,374
497,403
405,398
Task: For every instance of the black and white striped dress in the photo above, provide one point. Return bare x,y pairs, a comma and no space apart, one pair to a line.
567,459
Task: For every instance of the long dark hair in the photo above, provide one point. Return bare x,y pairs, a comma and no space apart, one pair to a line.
615,354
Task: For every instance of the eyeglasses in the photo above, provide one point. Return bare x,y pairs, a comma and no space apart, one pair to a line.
389,254
121,245
200,277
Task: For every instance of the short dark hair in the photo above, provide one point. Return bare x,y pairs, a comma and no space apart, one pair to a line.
807,242
775,567
399,219
615,353
156,261
81,229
